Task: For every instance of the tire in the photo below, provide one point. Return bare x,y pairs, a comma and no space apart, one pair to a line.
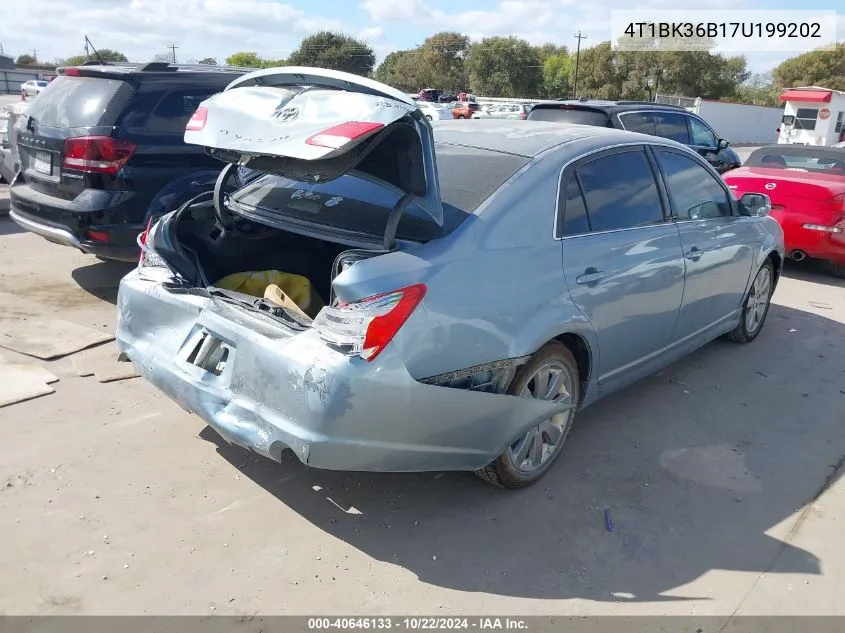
461,116
428,116
750,326
504,472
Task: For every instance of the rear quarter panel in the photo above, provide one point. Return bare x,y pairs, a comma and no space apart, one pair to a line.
496,288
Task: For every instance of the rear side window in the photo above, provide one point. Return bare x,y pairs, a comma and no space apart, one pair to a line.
673,126
172,113
81,102
575,221
619,192
642,122
568,114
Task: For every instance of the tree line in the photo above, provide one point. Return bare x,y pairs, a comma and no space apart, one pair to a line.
512,67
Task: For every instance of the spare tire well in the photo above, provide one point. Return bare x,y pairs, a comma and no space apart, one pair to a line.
581,351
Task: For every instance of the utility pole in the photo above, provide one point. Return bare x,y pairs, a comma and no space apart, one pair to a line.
35,55
577,55
173,48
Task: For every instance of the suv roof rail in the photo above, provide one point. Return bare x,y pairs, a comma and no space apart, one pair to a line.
651,103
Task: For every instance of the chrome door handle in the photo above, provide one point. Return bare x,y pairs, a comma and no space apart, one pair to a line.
694,254
590,276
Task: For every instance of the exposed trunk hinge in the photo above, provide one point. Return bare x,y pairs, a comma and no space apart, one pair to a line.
393,221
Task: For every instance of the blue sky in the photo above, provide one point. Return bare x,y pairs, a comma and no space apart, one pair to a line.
272,28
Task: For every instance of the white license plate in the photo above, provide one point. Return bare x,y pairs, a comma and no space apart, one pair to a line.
43,162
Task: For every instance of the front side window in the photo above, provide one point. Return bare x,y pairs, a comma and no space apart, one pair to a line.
805,118
694,192
620,191
702,136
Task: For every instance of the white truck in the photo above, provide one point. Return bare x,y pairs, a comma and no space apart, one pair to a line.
812,115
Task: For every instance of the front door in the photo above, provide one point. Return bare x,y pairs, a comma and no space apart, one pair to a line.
717,244
621,257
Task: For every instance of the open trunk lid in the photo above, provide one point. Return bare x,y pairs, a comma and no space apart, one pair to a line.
315,125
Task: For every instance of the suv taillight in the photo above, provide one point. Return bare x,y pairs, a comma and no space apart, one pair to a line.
97,154
367,326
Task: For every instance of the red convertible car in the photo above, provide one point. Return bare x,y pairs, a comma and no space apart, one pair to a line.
806,185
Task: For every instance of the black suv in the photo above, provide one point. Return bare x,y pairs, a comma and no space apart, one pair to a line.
102,151
646,117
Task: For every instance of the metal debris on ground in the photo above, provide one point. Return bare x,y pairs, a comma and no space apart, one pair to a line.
608,523
51,338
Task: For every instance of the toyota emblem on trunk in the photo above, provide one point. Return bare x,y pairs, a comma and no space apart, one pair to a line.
770,185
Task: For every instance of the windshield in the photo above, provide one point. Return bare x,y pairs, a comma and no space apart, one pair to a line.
467,176
568,114
80,102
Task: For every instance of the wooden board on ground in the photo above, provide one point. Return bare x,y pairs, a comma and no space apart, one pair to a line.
101,362
48,339
36,372
19,386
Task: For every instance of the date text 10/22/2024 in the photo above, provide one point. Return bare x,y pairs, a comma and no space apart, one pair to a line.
417,623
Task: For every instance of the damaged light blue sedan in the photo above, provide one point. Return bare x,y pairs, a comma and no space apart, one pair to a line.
379,293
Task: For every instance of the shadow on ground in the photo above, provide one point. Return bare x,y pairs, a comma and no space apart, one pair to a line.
812,270
694,465
8,227
102,278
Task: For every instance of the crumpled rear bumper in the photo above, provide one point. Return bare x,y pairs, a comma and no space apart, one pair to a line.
282,390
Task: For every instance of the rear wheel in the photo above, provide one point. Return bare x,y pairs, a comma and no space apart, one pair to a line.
756,306
461,116
551,374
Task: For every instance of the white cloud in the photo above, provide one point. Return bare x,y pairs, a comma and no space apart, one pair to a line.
370,34
142,28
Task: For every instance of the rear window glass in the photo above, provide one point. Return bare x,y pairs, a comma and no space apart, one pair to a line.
568,114
172,113
80,102
467,176
823,163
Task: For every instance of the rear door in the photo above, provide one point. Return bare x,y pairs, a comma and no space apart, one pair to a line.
316,125
71,107
621,257
717,245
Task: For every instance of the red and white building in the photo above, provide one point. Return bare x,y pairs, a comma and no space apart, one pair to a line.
812,116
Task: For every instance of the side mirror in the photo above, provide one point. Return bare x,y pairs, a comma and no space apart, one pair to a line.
755,204
722,144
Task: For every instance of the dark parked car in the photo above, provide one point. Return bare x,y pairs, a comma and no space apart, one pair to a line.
102,151
646,117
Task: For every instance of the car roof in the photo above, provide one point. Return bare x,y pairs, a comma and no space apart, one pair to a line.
530,138
612,106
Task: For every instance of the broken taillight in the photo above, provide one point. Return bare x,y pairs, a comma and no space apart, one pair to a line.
367,326
148,258
339,135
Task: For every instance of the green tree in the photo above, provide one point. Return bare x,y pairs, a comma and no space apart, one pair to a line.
208,61
557,75
106,55
24,60
335,51
245,60
817,68
759,89
398,70
597,73
504,67
548,50
442,61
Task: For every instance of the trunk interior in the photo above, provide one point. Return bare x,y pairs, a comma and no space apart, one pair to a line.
250,246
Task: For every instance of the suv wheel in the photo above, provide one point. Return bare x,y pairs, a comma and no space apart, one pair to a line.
551,374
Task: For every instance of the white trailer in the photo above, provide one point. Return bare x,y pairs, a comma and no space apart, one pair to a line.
812,116
740,123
